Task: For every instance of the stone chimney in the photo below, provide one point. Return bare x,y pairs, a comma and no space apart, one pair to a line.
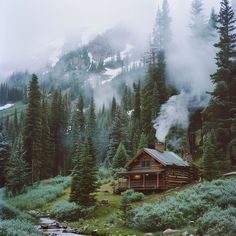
160,147
188,157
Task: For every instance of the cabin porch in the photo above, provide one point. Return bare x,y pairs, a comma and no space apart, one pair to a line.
143,180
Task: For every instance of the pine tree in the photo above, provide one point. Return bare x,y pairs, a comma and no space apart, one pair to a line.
143,142
76,175
124,102
212,24
115,137
113,107
78,124
155,102
121,157
209,170
161,31
56,131
92,119
136,125
32,130
125,210
219,113
5,153
17,173
84,179
146,112
46,142
232,145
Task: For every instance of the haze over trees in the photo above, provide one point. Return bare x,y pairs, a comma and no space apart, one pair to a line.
63,130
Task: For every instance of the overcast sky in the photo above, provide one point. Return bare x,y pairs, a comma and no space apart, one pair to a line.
33,31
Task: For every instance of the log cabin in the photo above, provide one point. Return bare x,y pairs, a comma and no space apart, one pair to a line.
156,169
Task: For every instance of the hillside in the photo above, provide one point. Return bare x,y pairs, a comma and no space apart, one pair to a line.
207,208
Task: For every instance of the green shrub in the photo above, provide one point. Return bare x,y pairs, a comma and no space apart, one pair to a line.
8,212
65,210
104,173
218,222
133,196
38,195
186,206
17,228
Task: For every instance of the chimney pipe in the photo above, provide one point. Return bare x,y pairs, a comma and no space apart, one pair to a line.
160,147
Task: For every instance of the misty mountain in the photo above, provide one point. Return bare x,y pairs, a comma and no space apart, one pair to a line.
99,67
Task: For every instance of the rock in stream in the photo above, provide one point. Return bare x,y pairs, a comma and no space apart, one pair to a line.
54,228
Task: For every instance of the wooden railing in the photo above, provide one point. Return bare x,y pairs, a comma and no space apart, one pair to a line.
138,184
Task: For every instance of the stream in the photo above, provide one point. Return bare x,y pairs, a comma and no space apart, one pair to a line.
53,228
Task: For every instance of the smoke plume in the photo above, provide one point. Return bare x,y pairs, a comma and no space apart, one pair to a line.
190,62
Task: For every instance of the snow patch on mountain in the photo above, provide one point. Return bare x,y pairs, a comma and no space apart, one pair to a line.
112,73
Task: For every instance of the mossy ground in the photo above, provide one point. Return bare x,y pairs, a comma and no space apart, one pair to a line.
105,218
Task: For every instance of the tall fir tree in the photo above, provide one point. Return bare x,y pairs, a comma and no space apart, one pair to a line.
56,131
84,179
220,111
146,112
5,152
115,137
143,142
17,170
48,150
32,130
92,119
121,157
209,170
78,123
113,108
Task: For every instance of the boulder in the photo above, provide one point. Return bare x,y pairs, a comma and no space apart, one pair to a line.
105,202
44,226
185,233
170,231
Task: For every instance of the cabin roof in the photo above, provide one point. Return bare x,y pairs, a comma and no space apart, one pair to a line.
166,158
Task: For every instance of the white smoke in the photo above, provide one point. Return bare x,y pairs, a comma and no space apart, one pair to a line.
190,62
174,112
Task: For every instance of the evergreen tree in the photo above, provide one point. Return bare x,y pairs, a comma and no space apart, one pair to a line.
146,112
56,131
136,118
212,24
5,153
209,170
125,210
78,125
161,31
46,142
155,102
92,119
115,137
113,107
84,178
32,130
143,143
121,157
125,100
17,173
220,111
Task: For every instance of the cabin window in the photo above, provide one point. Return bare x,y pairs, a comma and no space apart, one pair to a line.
146,163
